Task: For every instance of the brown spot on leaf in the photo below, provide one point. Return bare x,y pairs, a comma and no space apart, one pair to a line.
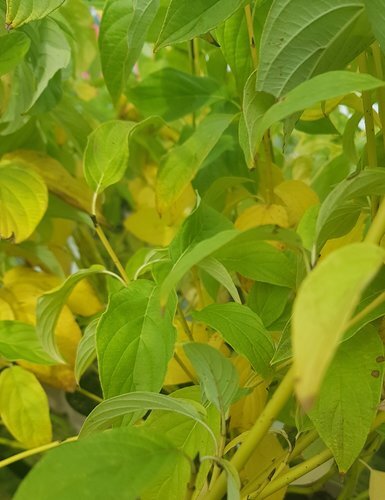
375,373
380,359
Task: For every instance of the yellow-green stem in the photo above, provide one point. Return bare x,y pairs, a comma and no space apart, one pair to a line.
377,56
368,117
34,451
256,433
184,368
186,328
302,443
250,31
377,228
111,252
89,395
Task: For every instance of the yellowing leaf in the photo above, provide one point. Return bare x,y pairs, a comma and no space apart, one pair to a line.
59,181
58,376
353,236
321,110
244,412
325,302
147,225
83,300
376,485
259,215
23,201
269,456
6,312
25,275
24,407
297,197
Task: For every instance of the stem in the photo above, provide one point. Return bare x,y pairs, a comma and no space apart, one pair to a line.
368,116
184,368
296,472
256,433
377,56
377,228
367,310
110,251
89,395
186,328
250,31
34,451
302,443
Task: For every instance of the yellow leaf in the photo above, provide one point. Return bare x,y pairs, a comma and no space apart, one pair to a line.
355,235
259,215
25,275
58,376
23,201
84,90
24,407
321,110
83,300
244,412
266,458
59,181
298,197
376,485
6,312
148,226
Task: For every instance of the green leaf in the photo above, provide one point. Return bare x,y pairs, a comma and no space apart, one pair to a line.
189,436
49,307
233,480
307,94
375,9
49,53
24,407
328,37
325,302
268,301
123,32
23,201
185,20
182,162
215,269
234,41
106,154
86,351
135,340
342,206
19,341
218,377
109,411
192,257
349,396
20,12
85,468
173,94
243,330
14,46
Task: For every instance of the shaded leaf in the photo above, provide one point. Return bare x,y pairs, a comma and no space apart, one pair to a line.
14,46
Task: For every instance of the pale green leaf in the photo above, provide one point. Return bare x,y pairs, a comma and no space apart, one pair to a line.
243,330
181,164
349,396
49,307
342,206
123,32
325,302
85,469
376,484
173,94
14,46
24,407
185,20
218,271
268,301
20,12
23,201
135,340
86,351
106,154
307,94
109,411
298,42
218,377
19,341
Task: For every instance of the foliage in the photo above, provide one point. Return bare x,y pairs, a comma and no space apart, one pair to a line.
192,222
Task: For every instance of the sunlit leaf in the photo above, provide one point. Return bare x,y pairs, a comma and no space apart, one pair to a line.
24,407
20,12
